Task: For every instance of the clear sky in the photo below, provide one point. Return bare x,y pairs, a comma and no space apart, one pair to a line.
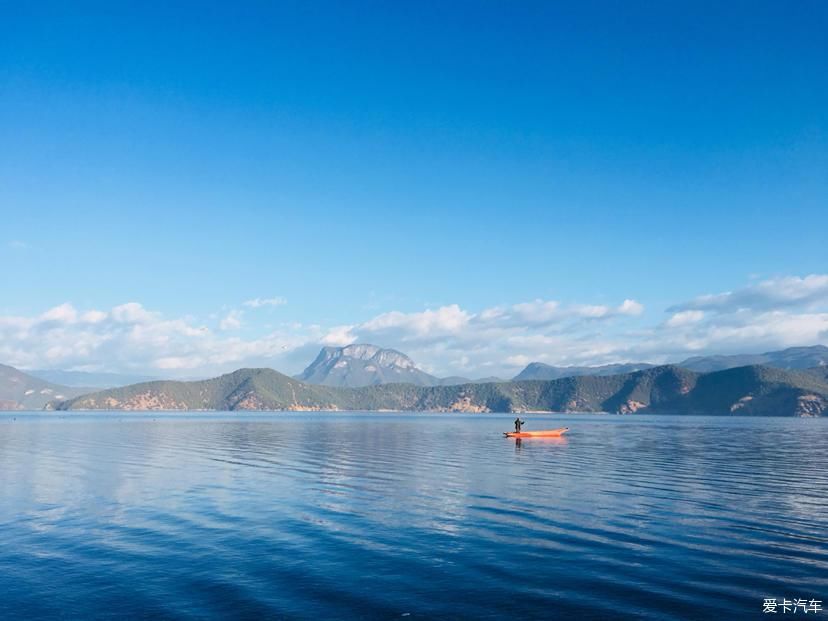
478,184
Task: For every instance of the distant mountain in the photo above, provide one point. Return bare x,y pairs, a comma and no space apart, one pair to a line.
541,371
88,379
751,390
364,365
354,366
454,380
21,391
791,358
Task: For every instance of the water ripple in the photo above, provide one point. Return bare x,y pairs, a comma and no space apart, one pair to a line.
432,516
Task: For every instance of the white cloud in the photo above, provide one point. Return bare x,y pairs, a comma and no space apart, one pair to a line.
428,323
770,314
93,316
746,331
173,363
131,338
538,311
774,293
518,361
684,318
630,307
446,340
260,302
494,339
339,336
17,244
232,321
65,313
492,314
591,311
132,312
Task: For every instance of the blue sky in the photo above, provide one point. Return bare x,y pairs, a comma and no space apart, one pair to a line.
367,164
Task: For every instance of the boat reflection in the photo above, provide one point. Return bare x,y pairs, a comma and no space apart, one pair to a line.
560,441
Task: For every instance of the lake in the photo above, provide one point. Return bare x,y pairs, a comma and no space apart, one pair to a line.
408,516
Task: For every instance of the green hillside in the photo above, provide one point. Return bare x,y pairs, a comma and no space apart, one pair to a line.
245,389
752,390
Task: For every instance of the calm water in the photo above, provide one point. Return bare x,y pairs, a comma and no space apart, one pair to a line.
408,516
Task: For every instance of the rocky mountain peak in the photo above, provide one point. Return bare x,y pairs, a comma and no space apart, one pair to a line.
363,364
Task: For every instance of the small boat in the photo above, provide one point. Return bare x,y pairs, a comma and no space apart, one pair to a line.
545,433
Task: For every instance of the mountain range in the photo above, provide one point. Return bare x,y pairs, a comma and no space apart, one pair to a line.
388,379
359,365
541,371
21,391
791,358
749,390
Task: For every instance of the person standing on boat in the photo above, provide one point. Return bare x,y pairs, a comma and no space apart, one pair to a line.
518,423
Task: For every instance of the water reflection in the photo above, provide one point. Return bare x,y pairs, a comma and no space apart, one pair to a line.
224,515
539,441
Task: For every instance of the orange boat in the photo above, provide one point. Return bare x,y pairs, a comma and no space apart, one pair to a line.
546,433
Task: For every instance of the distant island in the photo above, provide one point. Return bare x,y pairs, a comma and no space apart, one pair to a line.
792,382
